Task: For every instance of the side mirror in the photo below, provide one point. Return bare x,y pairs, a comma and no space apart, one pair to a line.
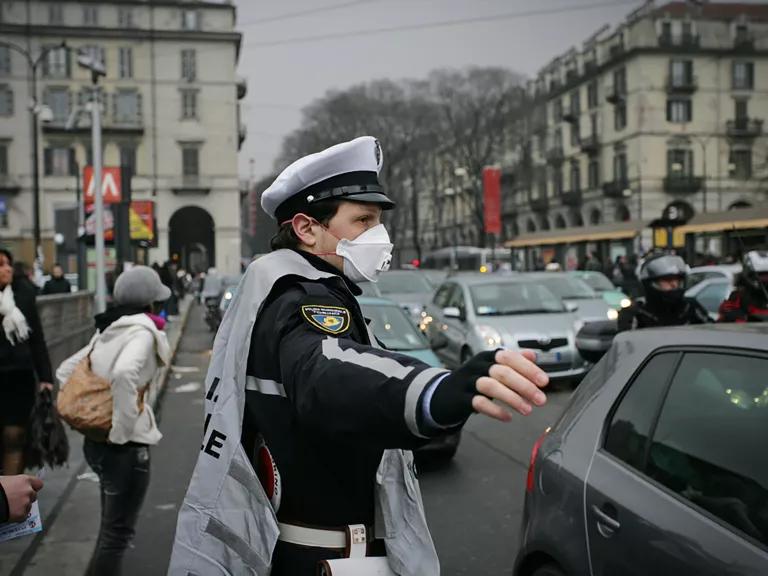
452,312
595,338
571,306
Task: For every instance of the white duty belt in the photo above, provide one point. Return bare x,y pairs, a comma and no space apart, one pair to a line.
354,538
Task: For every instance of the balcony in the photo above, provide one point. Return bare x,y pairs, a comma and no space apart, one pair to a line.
571,198
616,50
590,66
571,76
109,125
744,128
616,189
191,185
684,41
590,144
614,95
681,85
684,184
540,204
554,155
9,184
571,117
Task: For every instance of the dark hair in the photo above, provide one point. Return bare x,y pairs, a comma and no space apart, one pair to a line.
7,253
286,237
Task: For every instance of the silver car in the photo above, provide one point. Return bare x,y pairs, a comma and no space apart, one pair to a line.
591,305
473,313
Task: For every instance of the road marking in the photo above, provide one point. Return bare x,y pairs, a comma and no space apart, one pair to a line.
184,369
188,387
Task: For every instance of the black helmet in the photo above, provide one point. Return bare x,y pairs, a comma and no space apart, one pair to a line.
661,266
755,265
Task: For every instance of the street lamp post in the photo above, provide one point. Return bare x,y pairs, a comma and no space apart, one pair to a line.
33,64
451,193
89,62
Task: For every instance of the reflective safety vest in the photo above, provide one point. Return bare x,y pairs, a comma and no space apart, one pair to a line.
226,524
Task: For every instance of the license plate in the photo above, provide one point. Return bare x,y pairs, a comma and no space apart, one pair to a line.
548,357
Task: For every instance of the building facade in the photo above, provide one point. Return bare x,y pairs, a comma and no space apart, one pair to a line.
660,115
170,114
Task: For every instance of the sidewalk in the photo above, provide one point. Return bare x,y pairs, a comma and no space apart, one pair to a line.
69,505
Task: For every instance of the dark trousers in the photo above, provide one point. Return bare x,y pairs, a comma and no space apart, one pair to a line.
123,472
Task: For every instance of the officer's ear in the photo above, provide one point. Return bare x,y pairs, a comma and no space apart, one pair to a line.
303,228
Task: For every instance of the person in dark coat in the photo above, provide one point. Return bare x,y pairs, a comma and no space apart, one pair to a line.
23,361
57,284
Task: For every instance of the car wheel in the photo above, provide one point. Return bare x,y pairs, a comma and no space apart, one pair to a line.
548,570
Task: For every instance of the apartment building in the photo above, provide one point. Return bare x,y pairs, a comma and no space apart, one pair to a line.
661,115
170,114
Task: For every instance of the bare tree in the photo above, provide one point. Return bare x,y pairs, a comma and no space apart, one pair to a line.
480,108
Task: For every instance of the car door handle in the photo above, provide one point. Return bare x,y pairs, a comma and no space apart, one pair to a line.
605,519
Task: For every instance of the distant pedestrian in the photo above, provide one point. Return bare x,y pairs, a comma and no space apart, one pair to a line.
57,284
127,351
23,361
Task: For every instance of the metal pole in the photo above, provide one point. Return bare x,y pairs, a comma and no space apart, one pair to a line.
98,199
82,267
35,168
704,168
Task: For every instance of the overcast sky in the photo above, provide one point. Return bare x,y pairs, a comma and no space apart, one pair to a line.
286,71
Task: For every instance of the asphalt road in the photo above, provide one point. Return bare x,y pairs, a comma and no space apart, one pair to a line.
474,503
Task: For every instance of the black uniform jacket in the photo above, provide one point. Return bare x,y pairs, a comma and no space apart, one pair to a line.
325,402
32,354
640,315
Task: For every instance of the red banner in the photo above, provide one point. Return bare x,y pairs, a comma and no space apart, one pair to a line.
492,200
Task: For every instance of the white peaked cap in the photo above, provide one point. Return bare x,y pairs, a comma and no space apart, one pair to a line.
348,171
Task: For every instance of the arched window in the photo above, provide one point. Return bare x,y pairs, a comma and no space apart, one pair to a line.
595,216
530,226
560,222
622,213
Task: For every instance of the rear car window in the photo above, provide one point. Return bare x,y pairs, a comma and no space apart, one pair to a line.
711,440
630,426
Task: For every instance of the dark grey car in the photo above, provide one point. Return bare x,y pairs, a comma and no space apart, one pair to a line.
658,465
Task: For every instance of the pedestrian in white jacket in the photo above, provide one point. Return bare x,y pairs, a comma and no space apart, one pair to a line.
127,350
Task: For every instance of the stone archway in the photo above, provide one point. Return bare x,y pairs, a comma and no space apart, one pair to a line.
740,204
560,222
192,236
530,225
595,217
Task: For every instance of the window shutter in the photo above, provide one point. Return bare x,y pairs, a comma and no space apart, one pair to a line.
750,74
669,110
139,114
68,60
48,161
46,61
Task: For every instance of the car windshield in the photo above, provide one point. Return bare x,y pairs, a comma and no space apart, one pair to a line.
435,277
568,288
390,325
403,283
598,282
502,299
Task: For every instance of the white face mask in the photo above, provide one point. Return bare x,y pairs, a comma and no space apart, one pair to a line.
366,256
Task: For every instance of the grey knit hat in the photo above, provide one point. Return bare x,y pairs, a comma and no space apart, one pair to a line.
140,286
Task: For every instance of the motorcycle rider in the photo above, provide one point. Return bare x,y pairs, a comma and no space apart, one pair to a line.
749,301
664,304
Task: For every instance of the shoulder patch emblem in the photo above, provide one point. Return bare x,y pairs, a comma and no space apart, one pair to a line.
328,319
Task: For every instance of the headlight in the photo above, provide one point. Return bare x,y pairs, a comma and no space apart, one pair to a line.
228,295
613,314
489,335
625,303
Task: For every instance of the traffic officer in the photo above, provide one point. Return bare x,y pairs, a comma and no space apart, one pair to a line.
749,301
664,304
305,459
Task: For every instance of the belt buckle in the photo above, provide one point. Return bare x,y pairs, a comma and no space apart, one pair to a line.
358,535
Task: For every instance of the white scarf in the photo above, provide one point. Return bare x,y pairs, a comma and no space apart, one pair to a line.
14,324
